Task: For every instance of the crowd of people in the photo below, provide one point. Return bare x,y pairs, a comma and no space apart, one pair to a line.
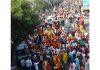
61,43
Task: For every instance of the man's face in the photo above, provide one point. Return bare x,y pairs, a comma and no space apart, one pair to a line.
48,28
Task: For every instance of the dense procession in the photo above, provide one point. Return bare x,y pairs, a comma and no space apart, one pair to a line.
60,43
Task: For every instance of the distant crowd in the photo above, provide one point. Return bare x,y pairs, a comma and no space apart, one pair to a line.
61,43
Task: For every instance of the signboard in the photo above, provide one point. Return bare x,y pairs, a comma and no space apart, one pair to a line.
85,2
84,8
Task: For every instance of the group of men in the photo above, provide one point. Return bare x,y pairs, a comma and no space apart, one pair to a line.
61,43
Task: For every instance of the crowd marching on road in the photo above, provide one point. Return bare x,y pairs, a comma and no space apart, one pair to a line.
61,43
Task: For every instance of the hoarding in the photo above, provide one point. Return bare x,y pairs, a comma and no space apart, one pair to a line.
85,2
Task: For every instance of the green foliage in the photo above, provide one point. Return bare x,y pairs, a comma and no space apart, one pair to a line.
16,10
40,5
24,18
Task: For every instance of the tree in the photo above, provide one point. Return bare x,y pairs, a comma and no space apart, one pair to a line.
23,20
24,17
16,10
40,5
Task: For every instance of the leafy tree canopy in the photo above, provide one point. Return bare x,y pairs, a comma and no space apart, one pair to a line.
24,17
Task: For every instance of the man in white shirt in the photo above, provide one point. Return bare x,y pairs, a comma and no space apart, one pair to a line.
85,33
78,53
74,44
21,46
67,45
86,64
71,56
78,37
72,66
41,57
36,65
57,50
28,63
55,30
22,62
73,51
83,55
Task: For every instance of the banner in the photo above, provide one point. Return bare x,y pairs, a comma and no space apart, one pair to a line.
85,2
